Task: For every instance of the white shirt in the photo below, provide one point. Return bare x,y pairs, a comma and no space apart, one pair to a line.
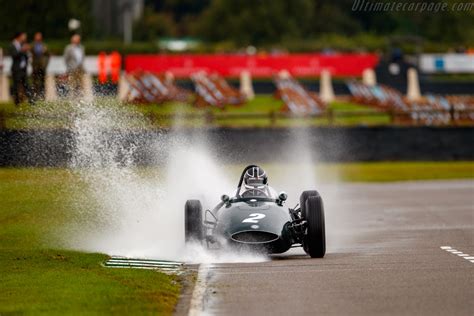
17,45
78,54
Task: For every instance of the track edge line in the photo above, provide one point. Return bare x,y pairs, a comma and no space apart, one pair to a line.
196,306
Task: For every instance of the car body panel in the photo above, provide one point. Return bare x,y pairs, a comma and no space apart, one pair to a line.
261,219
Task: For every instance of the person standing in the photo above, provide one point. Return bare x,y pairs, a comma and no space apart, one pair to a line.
19,53
74,58
40,62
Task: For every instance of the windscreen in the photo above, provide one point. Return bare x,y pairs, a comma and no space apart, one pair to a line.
263,192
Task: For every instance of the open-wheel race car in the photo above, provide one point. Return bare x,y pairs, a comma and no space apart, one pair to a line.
256,218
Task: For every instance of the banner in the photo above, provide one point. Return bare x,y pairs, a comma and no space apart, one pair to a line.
231,65
447,63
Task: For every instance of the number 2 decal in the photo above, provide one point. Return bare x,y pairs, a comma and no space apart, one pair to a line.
253,218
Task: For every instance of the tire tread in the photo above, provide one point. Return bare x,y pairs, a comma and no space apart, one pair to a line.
193,229
315,241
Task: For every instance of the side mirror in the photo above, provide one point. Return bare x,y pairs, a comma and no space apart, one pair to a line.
225,198
282,198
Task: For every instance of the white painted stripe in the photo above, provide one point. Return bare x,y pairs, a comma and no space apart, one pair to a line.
145,268
169,267
196,307
146,261
148,268
459,253
139,265
149,262
138,258
143,259
129,267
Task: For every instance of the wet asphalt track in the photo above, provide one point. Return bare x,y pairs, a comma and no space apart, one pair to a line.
383,257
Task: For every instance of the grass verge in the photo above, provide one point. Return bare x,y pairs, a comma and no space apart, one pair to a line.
34,278
257,113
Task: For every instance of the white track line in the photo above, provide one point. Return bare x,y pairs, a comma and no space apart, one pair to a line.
459,253
196,307
173,271
112,264
163,266
145,260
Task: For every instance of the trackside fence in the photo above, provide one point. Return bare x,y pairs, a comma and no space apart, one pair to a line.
327,118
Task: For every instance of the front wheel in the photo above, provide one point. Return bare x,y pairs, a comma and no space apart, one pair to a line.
303,197
193,228
314,242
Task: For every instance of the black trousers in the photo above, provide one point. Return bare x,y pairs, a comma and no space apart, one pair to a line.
38,77
20,88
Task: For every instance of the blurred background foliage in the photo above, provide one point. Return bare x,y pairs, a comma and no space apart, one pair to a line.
49,16
227,25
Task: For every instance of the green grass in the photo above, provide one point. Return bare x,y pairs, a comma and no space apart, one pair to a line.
399,171
36,276
378,171
55,115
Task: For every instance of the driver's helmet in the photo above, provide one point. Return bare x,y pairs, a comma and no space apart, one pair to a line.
255,178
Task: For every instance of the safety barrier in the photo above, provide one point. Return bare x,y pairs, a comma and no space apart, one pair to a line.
327,118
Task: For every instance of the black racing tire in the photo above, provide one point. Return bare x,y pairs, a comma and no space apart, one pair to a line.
303,197
314,243
193,227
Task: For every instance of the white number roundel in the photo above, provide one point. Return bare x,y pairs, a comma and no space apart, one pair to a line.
254,218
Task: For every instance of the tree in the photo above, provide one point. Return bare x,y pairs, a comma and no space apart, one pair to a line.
48,16
255,22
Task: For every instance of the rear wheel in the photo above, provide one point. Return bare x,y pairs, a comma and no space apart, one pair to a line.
314,243
193,229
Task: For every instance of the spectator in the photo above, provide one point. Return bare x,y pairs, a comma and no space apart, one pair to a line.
74,58
19,53
1,60
40,63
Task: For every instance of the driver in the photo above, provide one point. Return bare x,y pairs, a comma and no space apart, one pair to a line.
256,183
